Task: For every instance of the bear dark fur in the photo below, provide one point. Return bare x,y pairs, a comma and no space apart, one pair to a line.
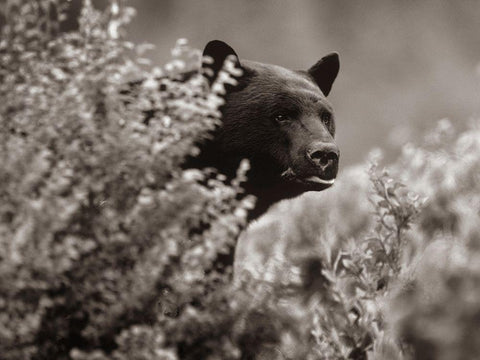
281,121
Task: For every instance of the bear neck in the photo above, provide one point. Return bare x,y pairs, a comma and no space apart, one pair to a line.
267,188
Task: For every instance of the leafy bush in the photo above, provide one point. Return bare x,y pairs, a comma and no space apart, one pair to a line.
103,235
396,277
107,245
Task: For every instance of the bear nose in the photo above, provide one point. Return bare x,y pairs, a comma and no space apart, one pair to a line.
325,157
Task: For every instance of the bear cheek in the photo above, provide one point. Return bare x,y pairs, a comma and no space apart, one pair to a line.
296,145
279,147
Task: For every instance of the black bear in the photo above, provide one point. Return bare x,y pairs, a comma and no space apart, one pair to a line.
281,121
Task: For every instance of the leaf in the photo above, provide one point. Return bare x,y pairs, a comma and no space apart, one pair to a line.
383,204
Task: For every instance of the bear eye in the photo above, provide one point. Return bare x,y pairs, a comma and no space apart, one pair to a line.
281,118
326,118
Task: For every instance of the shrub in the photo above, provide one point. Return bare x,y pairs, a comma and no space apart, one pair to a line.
104,238
399,278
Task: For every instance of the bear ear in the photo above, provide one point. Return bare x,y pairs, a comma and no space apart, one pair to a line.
325,71
217,51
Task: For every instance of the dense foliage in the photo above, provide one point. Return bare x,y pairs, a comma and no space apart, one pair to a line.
101,231
107,244
399,263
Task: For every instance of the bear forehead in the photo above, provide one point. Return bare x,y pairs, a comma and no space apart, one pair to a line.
284,83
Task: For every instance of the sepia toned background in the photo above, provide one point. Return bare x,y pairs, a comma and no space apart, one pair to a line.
404,64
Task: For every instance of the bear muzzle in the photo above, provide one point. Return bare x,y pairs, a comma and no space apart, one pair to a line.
324,158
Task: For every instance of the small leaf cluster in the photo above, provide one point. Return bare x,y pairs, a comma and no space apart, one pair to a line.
348,320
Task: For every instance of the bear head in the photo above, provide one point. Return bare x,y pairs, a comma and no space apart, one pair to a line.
281,121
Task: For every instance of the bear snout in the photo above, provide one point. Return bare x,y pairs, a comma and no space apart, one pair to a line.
324,156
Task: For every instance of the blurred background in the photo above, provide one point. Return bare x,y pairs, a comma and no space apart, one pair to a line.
404,64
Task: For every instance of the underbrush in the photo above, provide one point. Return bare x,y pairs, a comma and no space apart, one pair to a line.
396,251
107,245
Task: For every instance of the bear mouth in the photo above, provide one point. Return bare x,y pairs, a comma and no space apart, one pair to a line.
319,180
311,181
